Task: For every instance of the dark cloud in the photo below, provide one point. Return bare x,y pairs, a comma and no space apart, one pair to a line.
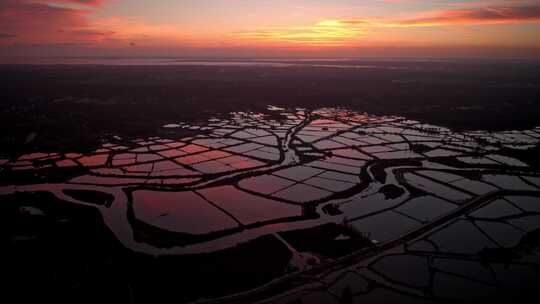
355,21
7,36
92,33
83,2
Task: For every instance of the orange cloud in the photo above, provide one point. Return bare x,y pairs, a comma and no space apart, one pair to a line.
483,15
59,22
323,33
473,16
138,32
344,32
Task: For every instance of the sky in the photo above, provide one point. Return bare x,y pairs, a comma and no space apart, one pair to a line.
269,28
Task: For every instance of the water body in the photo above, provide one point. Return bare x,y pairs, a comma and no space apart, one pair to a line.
305,187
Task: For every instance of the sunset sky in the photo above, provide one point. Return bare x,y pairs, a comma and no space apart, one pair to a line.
270,28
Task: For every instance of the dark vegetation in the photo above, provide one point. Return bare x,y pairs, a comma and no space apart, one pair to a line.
324,240
73,107
58,252
92,197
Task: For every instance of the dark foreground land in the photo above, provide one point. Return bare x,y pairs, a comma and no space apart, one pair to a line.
75,105
99,202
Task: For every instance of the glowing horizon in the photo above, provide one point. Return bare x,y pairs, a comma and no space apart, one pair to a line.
285,28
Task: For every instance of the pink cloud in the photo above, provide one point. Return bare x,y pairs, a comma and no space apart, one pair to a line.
39,22
83,2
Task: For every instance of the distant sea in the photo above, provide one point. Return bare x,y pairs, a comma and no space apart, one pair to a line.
341,63
390,64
